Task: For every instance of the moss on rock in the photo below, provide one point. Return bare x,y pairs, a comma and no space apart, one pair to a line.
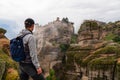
2,68
12,74
6,63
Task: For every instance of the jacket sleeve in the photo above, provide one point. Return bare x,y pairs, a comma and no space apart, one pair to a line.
33,51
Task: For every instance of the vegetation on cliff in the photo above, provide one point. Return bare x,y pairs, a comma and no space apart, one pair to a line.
97,52
2,32
8,63
94,52
8,68
52,75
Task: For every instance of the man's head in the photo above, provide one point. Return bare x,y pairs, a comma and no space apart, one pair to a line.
29,24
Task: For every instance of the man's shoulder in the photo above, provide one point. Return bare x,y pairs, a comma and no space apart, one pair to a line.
28,37
31,37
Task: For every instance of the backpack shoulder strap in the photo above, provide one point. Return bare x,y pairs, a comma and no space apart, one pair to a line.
20,37
25,34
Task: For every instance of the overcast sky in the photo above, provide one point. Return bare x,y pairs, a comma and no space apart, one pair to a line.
44,11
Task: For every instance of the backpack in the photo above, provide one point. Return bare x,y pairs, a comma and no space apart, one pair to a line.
17,48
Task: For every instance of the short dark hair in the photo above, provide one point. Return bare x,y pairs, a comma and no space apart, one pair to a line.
29,22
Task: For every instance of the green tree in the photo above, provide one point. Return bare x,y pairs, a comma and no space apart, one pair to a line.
66,20
116,39
51,75
64,47
74,39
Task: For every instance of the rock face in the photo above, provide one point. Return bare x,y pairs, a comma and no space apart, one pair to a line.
2,69
2,32
96,56
90,30
50,36
6,63
56,32
93,62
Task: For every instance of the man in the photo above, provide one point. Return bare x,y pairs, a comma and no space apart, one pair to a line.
30,66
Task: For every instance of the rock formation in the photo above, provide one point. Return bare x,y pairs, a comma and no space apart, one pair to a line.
94,51
96,56
2,33
90,31
49,37
8,67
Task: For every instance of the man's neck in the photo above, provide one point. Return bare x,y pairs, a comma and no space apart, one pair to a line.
29,30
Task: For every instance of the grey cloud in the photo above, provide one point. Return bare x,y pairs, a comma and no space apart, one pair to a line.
44,11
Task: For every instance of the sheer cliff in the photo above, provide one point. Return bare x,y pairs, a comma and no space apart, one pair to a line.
96,55
50,37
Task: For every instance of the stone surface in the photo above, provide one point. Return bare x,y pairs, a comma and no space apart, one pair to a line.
2,68
7,65
49,37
